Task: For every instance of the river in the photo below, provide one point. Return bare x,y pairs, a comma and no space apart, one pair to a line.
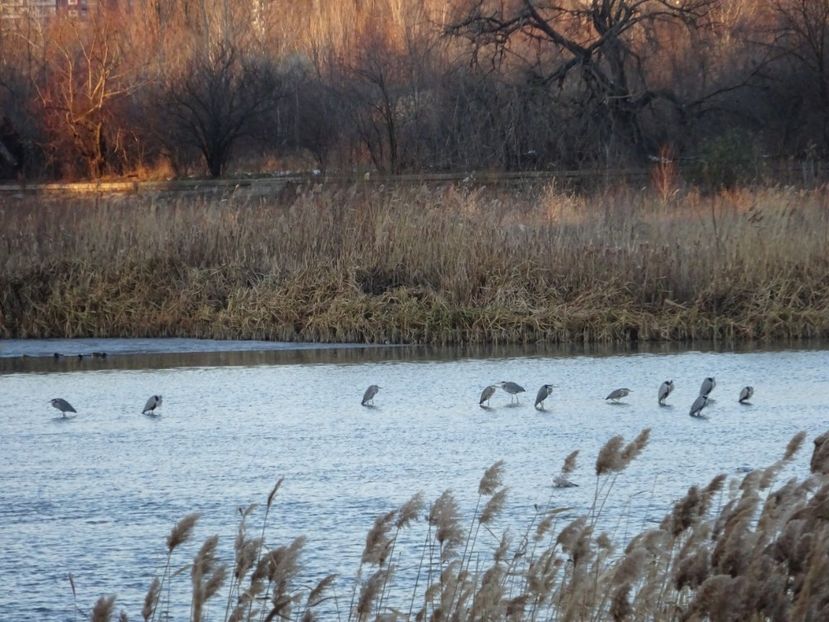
96,495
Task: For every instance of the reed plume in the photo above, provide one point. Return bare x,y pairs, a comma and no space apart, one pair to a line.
103,609
759,555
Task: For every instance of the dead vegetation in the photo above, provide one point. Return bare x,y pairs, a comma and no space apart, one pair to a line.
735,549
418,264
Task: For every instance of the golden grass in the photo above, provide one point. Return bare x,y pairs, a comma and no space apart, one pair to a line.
417,264
735,549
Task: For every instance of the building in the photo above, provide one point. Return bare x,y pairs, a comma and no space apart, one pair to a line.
44,9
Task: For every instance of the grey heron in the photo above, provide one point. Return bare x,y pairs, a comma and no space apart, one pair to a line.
707,386
152,403
62,405
368,396
745,394
543,393
486,394
559,481
699,403
512,388
618,394
665,390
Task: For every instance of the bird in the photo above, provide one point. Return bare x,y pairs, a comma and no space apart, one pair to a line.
368,396
487,393
707,386
617,394
559,481
512,388
665,390
152,403
699,403
543,393
62,405
745,394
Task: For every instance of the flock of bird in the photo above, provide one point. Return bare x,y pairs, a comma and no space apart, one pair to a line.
665,389
511,388
150,408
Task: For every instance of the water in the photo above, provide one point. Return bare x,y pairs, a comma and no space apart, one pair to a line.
97,495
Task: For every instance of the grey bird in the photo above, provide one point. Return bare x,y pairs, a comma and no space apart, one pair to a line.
699,403
368,396
559,481
486,394
152,403
617,394
707,386
745,394
62,405
512,388
543,393
665,390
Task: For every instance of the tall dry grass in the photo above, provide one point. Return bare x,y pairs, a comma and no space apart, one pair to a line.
743,548
418,264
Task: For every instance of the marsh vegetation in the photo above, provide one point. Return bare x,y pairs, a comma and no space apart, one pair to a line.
420,264
746,548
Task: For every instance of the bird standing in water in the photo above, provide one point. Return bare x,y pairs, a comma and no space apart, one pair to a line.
617,394
665,390
512,388
707,386
368,396
543,393
62,405
152,403
699,403
486,394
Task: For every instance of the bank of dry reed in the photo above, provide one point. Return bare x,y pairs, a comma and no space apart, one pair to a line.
735,549
420,264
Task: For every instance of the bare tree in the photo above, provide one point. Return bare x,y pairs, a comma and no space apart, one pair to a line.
86,73
216,98
586,47
800,39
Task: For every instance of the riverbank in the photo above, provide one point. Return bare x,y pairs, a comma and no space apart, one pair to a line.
420,264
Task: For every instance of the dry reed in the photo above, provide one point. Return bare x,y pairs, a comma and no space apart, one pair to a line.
418,264
760,555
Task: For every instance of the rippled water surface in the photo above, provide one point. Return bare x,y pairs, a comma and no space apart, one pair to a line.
96,495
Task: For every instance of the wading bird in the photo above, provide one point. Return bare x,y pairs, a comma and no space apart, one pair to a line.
486,394
62,405
543,394
699,403
745,394
617,394
707,386
152,403
665,390
512,388
368,396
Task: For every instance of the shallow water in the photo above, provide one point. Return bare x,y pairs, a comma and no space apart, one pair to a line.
96,495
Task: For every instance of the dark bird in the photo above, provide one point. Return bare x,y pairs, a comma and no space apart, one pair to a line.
152,403
368,396
745,394
617,394
707,386
486,394
665,390
62,405
699,403
543,393
512,388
